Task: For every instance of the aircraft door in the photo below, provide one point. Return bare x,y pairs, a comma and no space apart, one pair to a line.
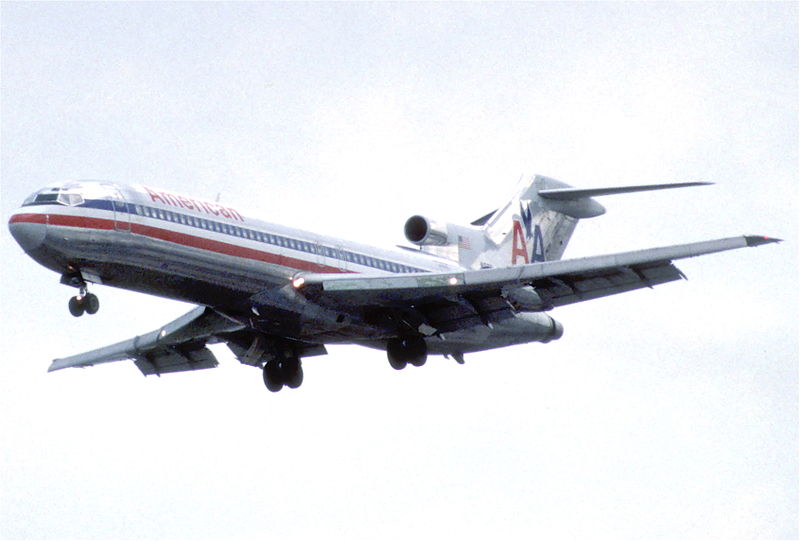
120,206
330,256
319,251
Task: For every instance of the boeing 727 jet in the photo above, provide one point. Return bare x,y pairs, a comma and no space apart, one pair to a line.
276,295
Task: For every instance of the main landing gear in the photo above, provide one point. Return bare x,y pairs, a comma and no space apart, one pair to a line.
84,302
283,371
405,351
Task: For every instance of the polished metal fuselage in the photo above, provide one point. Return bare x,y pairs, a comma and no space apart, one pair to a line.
156,242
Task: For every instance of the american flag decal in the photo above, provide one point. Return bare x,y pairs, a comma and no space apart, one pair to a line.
463,243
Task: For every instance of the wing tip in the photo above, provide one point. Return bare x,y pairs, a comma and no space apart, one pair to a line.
759,240
61,364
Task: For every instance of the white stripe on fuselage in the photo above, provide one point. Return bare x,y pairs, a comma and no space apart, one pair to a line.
192,217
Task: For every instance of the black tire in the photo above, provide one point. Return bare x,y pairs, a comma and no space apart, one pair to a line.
410,350
272,376
417,351
294,377
76,306
397,364
418,361
395,353
91,303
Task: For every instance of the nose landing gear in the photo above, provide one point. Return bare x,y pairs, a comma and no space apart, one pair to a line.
84,302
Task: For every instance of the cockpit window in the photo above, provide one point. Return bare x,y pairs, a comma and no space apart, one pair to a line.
63,195
47,195
70,199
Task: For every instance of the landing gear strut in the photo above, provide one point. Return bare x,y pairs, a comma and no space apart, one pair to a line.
84,302
405,351
283,371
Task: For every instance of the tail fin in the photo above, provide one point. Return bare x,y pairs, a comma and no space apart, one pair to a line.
537,223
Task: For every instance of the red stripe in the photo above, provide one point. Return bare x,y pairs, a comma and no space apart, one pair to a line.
80,221
28,218
178,238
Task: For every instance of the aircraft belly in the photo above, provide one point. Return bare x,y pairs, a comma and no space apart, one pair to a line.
155,266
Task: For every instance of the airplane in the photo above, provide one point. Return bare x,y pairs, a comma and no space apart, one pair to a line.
276,295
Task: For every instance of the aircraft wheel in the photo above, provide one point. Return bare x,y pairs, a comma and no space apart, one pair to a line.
91,303
397,364
418,361
272,376
76,306
417,351
404,351
294,373
395,351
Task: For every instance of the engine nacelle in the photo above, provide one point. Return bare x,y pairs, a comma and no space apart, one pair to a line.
424,232
542,328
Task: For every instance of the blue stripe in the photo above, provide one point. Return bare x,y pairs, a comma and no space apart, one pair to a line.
225,228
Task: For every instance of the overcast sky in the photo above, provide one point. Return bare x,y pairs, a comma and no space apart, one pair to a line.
665,413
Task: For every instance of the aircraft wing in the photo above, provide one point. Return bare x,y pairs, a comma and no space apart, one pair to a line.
554,283
176,347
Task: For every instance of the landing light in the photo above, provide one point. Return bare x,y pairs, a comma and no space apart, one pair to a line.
298,282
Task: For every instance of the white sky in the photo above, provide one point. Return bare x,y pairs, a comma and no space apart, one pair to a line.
670,413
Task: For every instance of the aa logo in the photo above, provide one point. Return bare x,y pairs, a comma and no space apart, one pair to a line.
519,247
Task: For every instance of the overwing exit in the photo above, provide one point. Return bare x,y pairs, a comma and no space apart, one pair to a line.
275,295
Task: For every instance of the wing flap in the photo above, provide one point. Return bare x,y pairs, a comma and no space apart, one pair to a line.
612,272
175,360
177,346
569,289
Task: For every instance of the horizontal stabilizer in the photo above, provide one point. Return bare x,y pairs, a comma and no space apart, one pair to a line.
570,194
483,219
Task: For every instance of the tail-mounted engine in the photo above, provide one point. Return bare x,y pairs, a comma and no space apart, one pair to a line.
451,241
424,232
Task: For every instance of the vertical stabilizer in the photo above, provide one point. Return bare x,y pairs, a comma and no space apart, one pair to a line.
531,228
534,225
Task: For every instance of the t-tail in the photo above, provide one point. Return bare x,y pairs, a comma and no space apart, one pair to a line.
535,225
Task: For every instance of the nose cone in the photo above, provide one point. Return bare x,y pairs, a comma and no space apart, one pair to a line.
28,230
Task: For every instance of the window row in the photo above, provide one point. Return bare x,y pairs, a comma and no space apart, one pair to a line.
276,240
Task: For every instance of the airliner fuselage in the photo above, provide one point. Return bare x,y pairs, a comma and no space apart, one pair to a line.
275,294
156,242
